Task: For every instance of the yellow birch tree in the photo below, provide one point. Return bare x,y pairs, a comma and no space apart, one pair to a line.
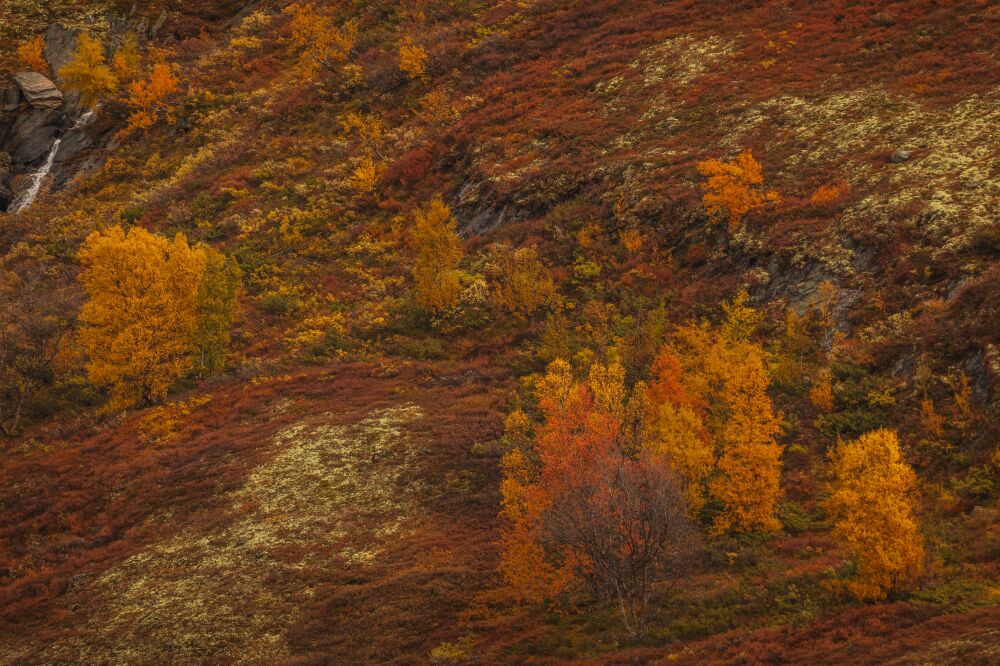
871,505
437,251
137,325
87,72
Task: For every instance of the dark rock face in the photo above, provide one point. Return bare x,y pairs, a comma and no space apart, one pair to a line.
34,113
31,120
28,137
10,99
60,44
6,193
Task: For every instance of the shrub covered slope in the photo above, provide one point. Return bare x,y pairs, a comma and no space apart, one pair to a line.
447,265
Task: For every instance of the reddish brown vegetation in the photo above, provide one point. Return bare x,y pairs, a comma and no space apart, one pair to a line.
78,504
583,123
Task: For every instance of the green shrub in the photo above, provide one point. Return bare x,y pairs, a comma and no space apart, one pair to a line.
453,653
795,518
424,349
131,215
276,304
977,483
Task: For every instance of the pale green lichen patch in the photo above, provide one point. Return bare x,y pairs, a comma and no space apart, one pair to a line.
663,70
331,495
951,175
682,59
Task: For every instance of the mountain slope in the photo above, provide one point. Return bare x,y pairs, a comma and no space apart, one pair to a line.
333,495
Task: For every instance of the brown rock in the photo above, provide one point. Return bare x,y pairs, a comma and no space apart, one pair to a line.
38,91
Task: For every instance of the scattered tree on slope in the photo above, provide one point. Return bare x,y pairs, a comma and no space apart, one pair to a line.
318,41
155,309
871,505
412,59
127,61
31,55
734,189
218,296
714,420
148,98
87,72
437,250
578,507
521,283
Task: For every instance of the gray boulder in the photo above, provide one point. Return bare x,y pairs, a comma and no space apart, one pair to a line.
37,91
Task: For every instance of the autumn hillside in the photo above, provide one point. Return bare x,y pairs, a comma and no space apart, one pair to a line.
525,331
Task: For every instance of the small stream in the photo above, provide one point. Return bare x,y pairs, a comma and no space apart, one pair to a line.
27,198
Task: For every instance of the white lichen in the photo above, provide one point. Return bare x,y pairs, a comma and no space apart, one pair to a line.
331,494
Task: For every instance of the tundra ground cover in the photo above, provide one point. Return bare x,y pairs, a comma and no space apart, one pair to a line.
331,493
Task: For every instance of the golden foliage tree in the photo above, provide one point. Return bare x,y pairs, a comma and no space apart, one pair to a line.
369,130
794,348
521,283
319,42
678,429
607,385
963,396
365,176
437,109
523,562
437,251
516,430
577,505
735,188
930,420
127,61
714,420
742,319
31,55
871,505
148,99
554,389
412,59
821,393
679,434
137,327
218,297
749,463
87,72
531,575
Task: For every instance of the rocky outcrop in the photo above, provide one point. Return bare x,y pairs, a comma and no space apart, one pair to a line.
44,132
38,92
6,174
31,120
60,44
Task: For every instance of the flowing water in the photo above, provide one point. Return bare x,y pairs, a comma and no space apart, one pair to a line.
28,197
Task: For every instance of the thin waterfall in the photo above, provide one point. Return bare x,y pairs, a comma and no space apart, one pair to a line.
38,178
83,120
